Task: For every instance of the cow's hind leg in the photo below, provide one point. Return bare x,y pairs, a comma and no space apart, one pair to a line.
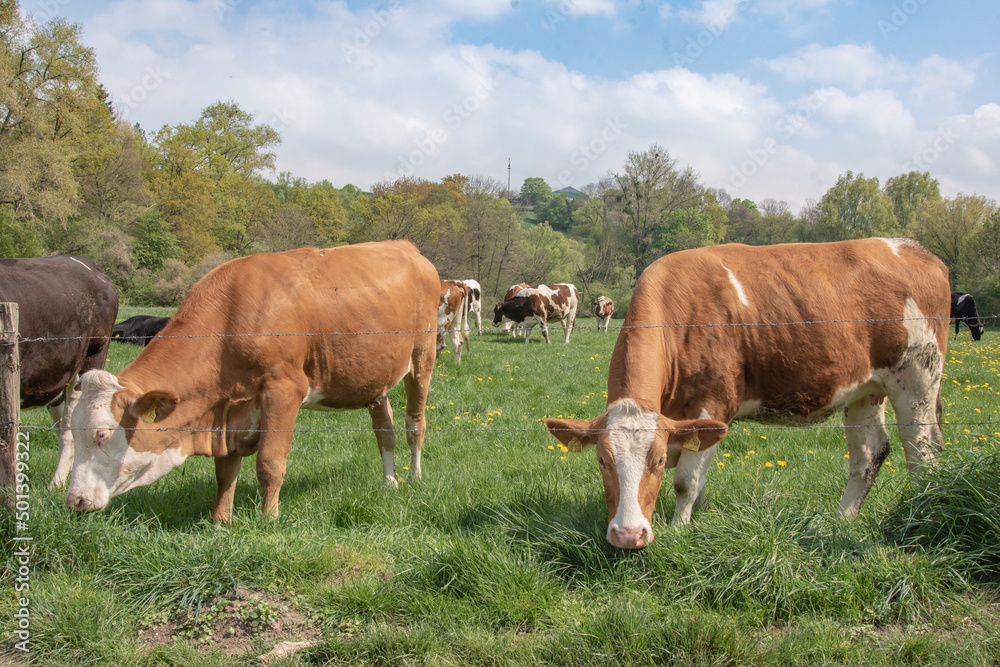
417,384
381,414
63,414
868,446
915,393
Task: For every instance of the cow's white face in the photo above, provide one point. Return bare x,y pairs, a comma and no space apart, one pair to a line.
107,458
632,451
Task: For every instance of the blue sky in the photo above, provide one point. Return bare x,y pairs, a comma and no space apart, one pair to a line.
764,98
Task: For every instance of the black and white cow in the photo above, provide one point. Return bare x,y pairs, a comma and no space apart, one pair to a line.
139,329
963,309
66,309
539,305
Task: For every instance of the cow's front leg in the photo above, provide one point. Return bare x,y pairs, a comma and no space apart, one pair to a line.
545,331
690,477
63,414
381,414
280,402
227,471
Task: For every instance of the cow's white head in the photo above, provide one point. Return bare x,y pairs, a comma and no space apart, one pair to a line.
632,451
118,444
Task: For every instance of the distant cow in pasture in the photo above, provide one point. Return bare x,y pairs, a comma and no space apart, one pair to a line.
603,309
139,329
475,305
963,309
452,316
66,309
512,327
786,334
540,305
255,340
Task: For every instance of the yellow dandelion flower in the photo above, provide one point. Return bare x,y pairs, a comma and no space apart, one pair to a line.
722,464
768,465
551,447
847,456
781,463
727,455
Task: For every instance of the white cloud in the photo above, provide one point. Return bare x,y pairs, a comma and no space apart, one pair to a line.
578,8
360,95
716,15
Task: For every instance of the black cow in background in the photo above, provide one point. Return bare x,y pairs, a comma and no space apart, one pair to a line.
66,309
963,309
139,329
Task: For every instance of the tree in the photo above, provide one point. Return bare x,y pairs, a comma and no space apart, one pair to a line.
949,227
854,208
48,86
907,192
649,188
550,255
223,140
535,191
494,231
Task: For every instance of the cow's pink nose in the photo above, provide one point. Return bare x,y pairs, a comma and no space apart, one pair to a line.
630,538
78,503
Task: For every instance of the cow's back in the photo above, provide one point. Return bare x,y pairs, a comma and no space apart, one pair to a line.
350,317
751,323
66,311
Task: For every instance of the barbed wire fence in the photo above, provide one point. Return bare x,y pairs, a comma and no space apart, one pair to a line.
747,425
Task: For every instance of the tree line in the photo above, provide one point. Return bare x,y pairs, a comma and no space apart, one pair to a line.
158,209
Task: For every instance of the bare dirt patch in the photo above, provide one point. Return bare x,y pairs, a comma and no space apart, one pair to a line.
243,623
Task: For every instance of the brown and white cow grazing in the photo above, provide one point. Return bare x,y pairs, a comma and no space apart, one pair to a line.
785,334
66,311
603,309
540,305
452,316
255,340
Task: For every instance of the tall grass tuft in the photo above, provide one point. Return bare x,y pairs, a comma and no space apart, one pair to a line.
954,510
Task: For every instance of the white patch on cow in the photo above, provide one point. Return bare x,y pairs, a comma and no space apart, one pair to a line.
631,431
747,408
314,401
81,264
738,286
962,298
896,244
919,329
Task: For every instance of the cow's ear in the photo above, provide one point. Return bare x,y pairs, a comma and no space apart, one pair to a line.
695,435
576,434
154,406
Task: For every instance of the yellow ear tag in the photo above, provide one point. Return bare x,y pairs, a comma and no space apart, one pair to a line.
150,416
692,443
574,445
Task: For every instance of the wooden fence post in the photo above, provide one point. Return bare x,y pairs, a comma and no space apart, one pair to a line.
10,399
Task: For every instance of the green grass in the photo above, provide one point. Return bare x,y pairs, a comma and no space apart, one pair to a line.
498,555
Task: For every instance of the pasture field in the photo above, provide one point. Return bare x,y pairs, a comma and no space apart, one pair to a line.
498,557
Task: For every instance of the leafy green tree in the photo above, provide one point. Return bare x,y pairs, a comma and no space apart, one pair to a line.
18,238
153,241
535,191
856,207
494,231
648,189
685,228
949,228
243,208
48,86
551,256
557,211
907,192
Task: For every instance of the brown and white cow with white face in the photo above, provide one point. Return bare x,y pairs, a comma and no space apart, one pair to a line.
538,306
453,316
603,309
785,334
254,341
